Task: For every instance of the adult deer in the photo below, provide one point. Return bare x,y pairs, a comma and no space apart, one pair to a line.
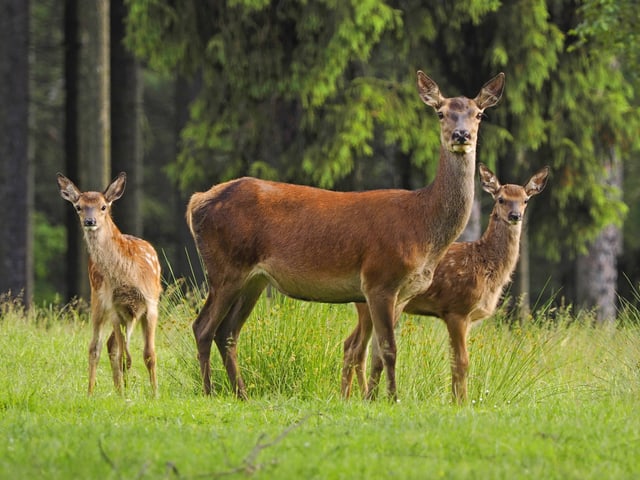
124,273
466,286
378,246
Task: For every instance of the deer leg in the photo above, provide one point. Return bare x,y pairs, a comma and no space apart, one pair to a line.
95,347
216,308
226,336
458,327
116,347
148,323
203,331
377,366
382,315
355,352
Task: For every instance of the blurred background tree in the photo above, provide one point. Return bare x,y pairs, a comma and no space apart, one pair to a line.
324,93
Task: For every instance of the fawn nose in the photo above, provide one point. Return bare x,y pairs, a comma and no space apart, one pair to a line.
514,217
90,222
461,136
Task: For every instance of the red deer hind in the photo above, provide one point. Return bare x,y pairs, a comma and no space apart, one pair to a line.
124,273
379,247
466,286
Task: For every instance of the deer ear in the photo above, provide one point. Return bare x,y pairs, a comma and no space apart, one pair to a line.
116,189
68,190
491,92
537,183
489,181
429,91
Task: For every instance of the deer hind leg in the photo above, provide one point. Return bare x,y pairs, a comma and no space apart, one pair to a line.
116,347
377,366
458,327
226,336
219,301
355,352
149,323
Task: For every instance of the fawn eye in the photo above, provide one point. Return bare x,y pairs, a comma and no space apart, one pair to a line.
440,115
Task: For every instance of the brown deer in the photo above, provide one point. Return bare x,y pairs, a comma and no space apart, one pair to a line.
378,246
124,273
466,287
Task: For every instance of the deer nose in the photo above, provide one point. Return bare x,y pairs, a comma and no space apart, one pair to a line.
461,136
90,222
514,217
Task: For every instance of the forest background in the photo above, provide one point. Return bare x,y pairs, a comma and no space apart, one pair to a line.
181,95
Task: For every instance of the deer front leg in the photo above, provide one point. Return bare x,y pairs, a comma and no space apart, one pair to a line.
382,310
95,347
458,327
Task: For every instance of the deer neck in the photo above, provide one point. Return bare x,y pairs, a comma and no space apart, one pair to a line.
501,244
450,196
105,249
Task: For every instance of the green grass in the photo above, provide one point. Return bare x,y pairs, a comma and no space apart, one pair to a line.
547,400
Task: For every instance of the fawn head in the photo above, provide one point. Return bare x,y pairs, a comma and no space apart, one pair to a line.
511,200
92,207
460,116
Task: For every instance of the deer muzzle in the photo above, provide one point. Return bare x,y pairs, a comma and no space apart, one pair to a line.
461,141
514,217
90,223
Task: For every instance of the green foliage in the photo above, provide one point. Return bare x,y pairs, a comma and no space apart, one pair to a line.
50,241
312,92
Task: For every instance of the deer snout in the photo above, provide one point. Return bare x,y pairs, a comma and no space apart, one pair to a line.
514,217
90,223
461,136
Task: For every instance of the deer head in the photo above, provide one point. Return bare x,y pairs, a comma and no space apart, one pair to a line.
92,207
511,200
459,116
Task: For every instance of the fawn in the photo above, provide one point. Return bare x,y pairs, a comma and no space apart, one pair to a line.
124,273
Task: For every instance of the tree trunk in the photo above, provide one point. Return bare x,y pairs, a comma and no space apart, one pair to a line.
93,112
71,67
597,271
16,182
126,137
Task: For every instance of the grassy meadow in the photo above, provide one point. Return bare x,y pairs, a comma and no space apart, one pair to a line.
553,398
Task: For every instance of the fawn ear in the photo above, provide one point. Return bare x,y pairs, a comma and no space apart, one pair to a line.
116,189
491,92
490,182
537,183
68,190
429,91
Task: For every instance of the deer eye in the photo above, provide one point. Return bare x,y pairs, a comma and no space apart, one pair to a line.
500,200
526,200
440,115
481,116
78,208
103,208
